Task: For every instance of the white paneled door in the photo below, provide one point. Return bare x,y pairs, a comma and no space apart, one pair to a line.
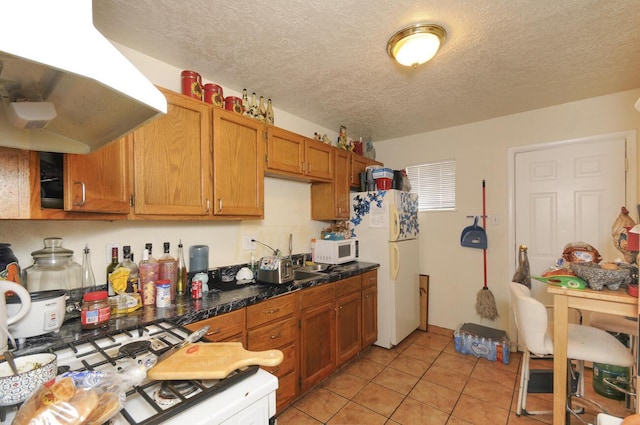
566,193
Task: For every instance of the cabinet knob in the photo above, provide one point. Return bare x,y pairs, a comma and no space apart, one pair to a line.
84,194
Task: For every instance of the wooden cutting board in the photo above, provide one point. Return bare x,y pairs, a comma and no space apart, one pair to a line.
211,360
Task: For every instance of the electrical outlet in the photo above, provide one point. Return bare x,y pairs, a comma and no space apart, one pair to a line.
247,243
108,251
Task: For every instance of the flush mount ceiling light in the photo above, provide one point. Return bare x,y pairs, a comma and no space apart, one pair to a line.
416,44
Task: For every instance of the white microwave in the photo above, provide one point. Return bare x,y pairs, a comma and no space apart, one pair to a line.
336,252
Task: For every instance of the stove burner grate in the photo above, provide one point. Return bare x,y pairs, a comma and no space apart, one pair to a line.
132,349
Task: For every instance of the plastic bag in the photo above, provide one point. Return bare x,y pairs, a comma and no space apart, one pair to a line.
75,398
619,232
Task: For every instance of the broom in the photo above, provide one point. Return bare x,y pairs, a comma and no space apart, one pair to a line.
485,302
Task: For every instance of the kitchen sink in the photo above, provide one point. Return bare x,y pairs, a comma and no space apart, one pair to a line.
303,274
314,268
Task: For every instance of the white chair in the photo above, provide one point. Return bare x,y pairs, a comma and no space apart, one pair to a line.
584,343
604,419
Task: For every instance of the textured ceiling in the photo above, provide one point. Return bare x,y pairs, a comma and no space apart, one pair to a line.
326,61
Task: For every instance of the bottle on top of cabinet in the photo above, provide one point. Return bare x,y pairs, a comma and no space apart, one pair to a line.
270,118
169,270
262,110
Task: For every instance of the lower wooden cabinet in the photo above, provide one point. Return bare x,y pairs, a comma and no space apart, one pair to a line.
317,334
369,308
273,324
317,329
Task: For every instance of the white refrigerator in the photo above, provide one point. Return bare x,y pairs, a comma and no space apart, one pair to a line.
386,223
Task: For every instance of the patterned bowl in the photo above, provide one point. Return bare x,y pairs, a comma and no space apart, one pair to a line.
33,371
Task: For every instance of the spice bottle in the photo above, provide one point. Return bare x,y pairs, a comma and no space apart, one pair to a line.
148,276
95,311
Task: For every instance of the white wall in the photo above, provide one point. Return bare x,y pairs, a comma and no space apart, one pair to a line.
481,152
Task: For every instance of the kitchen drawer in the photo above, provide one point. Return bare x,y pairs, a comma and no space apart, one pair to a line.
267,311
222,327
271,336
348,286
286,391
288,363
369,278
317,295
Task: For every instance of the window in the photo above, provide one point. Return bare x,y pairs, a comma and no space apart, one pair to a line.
435,184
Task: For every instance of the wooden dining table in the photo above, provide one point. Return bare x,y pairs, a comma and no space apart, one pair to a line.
605,301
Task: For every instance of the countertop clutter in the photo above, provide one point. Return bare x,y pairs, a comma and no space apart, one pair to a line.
222,297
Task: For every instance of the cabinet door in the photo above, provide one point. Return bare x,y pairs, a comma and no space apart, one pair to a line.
238,165
330,201
285,151
317,343
98,181
348,327
318,160
15,188
369,315
172,165
358,165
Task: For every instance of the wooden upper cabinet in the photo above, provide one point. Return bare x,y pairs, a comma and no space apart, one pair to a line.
358,165
285,152
98,181
330,201
296,157
238,165
172,160
15,189
318,159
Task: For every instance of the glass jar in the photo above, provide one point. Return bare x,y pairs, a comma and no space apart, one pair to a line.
96,311
54,268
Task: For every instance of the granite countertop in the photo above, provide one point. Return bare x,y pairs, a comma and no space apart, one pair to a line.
221,298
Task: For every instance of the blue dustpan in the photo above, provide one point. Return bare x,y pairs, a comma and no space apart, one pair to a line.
474,236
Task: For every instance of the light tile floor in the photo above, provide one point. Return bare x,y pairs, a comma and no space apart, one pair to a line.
424,381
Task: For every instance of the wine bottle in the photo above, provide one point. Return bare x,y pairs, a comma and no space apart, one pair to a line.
168,270
262,111
149,246
148,278
253,109
245,102
110,268
181,283
133,280
269,118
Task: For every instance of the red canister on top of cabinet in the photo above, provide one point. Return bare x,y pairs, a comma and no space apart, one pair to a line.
213,94
233,103
192,84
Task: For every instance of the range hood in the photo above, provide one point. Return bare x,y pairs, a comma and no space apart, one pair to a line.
82,92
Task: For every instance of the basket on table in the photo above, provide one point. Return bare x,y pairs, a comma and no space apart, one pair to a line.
597,277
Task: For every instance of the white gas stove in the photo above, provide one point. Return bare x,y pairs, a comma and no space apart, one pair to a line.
246,396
